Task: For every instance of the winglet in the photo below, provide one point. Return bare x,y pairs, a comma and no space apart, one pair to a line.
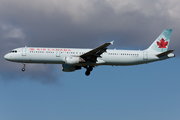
112,42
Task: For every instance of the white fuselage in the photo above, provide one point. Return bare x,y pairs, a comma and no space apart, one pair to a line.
74,59
58,55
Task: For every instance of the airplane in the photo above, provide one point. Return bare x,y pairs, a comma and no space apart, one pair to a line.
74,59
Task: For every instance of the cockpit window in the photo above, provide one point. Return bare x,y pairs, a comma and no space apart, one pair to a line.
14,51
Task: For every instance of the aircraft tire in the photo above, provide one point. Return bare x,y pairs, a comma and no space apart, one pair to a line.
87,73
23,69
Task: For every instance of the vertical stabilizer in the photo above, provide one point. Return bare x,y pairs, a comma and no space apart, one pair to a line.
162,42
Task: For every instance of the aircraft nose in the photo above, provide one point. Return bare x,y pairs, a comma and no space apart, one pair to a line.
6,57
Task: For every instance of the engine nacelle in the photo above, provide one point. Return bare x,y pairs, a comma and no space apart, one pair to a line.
73,60
70,68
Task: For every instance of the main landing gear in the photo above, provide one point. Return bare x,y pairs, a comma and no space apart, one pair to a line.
88,70
23,69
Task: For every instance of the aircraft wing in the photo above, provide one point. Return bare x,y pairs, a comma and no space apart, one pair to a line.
93,54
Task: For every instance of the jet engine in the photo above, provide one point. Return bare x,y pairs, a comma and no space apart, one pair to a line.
70,68
73,60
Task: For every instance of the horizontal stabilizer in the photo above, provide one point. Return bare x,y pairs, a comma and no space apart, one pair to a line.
164,53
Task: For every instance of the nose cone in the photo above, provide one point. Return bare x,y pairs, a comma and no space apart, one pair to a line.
10,57
7,57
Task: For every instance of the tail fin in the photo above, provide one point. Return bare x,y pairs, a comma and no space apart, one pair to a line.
162,42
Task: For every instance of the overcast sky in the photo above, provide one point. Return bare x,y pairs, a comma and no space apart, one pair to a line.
132,24
84,23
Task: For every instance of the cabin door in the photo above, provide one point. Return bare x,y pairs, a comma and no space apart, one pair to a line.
24,51
145,55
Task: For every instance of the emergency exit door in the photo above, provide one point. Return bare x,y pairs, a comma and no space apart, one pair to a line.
57,53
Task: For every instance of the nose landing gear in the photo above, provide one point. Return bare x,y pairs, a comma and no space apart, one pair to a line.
23,69
88,70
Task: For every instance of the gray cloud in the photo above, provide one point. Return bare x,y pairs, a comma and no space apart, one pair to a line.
81,23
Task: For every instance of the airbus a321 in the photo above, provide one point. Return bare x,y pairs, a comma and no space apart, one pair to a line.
74,59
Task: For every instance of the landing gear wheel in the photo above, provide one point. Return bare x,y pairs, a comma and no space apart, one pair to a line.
23,69
87,73
24,65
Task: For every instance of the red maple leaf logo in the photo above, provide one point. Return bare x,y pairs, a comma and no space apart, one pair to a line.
162,43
